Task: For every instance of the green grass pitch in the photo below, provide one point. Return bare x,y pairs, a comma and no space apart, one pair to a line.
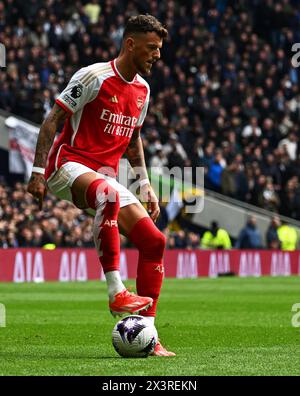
223,326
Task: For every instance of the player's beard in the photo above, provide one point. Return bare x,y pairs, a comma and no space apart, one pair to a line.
143,68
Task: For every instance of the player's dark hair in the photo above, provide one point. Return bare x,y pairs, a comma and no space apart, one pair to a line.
144,24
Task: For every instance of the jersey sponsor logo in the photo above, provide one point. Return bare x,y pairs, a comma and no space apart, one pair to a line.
119,119
118,124
140,102
69,100
76,91
114,99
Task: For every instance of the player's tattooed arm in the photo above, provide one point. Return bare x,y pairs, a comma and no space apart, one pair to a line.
47,133
37,183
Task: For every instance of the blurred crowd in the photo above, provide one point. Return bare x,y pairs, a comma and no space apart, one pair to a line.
225,95
61,224
22,224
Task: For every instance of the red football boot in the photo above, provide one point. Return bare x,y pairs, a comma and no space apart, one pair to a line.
159,350
129,303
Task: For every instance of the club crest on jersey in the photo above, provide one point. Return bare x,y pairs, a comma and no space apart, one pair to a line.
140,102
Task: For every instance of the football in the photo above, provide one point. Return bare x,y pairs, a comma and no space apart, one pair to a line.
134,336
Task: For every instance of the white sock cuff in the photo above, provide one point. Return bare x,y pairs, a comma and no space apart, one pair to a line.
150,318
114,283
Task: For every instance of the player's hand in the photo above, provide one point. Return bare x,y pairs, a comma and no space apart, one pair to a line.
148,195
37,187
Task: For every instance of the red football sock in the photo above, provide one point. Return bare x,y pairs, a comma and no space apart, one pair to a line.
105,200
151,244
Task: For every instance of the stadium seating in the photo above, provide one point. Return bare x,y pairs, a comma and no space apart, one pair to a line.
225,94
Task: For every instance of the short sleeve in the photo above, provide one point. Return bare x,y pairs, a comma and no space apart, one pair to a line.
78,92
143,113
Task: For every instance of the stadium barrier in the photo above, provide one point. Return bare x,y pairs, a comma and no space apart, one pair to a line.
64,265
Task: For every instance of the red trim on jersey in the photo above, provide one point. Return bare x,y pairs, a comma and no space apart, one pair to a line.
63,106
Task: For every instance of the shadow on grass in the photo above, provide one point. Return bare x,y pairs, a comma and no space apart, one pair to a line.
6,356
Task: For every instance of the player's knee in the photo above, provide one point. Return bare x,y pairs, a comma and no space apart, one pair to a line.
156,244
148,239
159,242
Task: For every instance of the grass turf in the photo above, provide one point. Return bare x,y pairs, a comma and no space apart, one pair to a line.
223,326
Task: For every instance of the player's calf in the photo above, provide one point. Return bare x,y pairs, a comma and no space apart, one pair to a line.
151,245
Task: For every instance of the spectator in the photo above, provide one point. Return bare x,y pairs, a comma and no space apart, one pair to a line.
215,238
193,241
171,242
180,240
252,130
268,198
163,220
273,241
174,145
290,201
92,10
3,241
159,160
228,180
270,168
234,181
175,152
288,237
215,169
25,237
290,143
250,236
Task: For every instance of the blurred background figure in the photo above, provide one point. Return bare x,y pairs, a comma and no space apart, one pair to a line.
250,236
272,238
288,237
193,241
268,198
216,238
